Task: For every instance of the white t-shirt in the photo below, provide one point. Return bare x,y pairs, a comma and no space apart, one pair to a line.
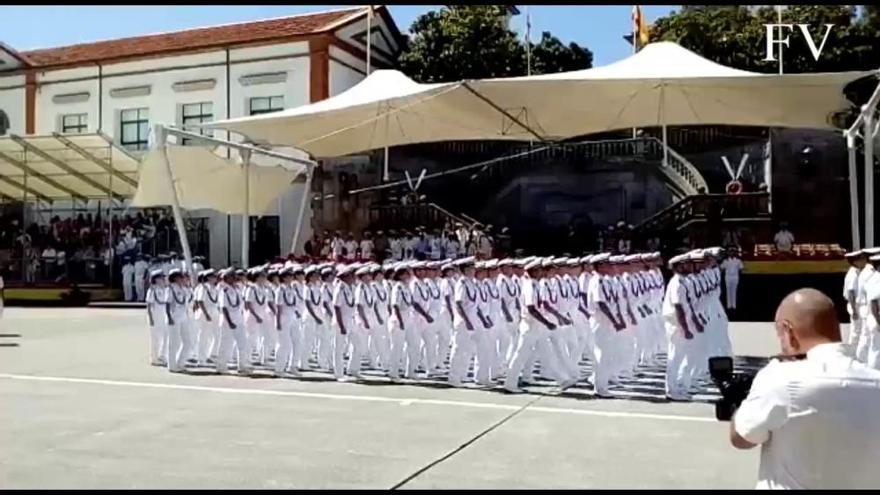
784,240
732,267
817,420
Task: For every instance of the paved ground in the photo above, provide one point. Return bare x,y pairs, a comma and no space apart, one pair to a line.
80,408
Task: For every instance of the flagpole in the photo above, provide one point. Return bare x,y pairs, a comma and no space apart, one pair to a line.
528,43
635,28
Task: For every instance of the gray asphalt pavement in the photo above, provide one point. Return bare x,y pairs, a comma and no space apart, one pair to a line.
81,408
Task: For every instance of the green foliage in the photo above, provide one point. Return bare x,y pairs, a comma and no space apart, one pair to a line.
473,42
735,36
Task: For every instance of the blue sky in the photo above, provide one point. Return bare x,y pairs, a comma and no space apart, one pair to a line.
597,27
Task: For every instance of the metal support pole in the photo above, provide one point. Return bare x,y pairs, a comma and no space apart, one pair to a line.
159,133
663,125
867,134
307,193
853,189
369,37
246,216
110,215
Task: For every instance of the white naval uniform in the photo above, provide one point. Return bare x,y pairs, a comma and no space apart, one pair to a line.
498,337
507,332
681,350
314,325
850,283
156,301
398,327
232,302
599,292
436,308
532,337
421,337
288,304
465,341
326,334
732,267
343,301
379,343
869,340
209,328
721,345
179,344
867,274
366,249
365,297
259,300
445,322
140,281
128,283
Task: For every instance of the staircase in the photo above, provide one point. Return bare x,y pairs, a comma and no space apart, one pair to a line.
702,207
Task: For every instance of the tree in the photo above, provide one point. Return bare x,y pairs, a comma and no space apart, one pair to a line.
735,36
474,42
550,56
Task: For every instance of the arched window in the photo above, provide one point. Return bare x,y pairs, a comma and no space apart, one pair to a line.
4,123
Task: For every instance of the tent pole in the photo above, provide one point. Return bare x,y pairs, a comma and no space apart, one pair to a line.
307,193
867,134
159,133
110,214
853,189
385,176
246,216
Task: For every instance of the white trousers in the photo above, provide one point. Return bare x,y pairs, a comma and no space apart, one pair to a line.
428,345
680,365
140,289
158,333
464,349
871,334
209,339
534,339
869,327
354,341
379,346
231,339
324,337
731,284
397,337
444,340
128,287
289,333
603,353
179,344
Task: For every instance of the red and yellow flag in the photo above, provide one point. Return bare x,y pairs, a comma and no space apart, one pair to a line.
640,28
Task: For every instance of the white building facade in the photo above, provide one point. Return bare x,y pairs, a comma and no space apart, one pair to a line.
122,88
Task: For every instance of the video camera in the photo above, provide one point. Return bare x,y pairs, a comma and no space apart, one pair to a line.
734,387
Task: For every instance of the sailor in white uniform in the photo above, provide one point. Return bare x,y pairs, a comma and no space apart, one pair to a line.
379,344
366,321
232,329
507,329
156,317
402,319
128,281
207,317
179,344
344,315
856,260
141,267
288,315
604,322
314,324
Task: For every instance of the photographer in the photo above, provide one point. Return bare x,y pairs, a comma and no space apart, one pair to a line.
814,411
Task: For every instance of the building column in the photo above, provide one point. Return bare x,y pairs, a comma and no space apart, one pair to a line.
319,68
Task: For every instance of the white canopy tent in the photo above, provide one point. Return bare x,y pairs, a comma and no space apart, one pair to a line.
197,177
663,84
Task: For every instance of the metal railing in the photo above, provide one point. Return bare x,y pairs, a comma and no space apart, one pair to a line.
42,272
429,215
746,205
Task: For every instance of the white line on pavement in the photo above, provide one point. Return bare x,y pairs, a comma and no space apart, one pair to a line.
368,398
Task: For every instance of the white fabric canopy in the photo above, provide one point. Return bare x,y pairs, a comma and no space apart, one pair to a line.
385,109
662,84
206,180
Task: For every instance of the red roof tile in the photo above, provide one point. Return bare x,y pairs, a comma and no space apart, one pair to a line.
189,40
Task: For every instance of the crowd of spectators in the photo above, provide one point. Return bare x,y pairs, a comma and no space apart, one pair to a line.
80,248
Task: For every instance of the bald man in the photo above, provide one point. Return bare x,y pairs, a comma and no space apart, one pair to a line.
813,410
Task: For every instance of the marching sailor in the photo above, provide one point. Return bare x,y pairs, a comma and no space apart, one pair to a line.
156,302
288,314
207,318
232,329
344,313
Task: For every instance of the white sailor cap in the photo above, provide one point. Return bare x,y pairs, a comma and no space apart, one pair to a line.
696,256
311,269
573,262
469,260
616,260
480,265
375,268
506,262
871,251
600,258
535,263
646,257
632,258
447,266
175,271
364,270
491,264
327,270
208,272
157,273
547,262
675,260
343,270
876,257
854,254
